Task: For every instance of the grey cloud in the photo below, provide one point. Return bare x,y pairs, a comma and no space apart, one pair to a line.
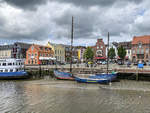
102,3
26,4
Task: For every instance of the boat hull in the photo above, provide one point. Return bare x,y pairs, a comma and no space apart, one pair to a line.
110,77
63,75
91,80
14,75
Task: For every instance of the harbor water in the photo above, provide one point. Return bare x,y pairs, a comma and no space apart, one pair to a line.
55,96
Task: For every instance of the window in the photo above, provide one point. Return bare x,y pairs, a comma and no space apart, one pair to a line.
1,70
28,61
35,61
9,64
128,51
140,44
32,48
17,70
11,70
142,51
13,63
133,51
97,47
6,70
4,64
147,50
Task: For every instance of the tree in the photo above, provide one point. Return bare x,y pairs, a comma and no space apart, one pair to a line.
121,52
111,53
88,54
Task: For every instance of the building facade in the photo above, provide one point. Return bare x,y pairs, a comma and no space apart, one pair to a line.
38,54
19,50
59,51
6,51
68,54
81,50
99,50
16,50
141,48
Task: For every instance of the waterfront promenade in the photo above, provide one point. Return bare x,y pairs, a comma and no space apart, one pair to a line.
99,68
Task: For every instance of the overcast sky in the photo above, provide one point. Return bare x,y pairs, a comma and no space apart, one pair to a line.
39,21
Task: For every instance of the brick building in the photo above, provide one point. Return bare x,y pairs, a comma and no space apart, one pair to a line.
141,48
99,50
38,54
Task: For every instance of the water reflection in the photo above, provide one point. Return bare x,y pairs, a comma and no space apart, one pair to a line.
49,96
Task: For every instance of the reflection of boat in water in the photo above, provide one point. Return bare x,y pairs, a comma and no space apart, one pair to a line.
63,75
12,69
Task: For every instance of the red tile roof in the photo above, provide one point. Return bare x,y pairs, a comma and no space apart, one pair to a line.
144,39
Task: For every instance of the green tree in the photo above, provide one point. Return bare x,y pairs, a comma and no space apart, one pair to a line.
88,54
112,53
121,52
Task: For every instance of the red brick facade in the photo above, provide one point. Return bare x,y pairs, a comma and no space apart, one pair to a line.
34,53
99,50
141,48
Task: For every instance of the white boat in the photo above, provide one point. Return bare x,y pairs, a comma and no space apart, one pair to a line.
12,68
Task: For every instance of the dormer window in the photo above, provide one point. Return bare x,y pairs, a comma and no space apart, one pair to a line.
140,44
32,48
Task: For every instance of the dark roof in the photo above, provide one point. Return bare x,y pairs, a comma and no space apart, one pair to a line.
6,47
23,45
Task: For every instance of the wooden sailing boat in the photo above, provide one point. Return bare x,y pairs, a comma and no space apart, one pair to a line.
100,78
66,75
110,76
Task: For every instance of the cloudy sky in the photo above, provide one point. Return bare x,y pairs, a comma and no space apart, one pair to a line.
39,21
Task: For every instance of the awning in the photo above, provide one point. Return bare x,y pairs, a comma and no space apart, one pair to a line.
47,58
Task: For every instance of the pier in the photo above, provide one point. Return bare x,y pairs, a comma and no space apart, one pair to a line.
123,71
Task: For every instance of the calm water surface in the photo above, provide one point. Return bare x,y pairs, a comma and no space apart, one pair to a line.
53,96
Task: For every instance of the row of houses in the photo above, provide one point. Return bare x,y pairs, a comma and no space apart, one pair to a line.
137,50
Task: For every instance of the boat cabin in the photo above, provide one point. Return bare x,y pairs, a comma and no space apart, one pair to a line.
11,65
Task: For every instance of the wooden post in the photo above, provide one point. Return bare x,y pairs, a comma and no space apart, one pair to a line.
137,75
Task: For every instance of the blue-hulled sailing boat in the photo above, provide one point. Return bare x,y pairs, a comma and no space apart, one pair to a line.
66,75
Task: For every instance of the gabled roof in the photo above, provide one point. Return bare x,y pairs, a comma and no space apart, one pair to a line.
144,39
42,48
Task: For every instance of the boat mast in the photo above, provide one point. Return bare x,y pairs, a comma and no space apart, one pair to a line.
71,46
108,53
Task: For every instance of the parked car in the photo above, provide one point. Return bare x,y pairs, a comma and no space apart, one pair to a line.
120,63
104,62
